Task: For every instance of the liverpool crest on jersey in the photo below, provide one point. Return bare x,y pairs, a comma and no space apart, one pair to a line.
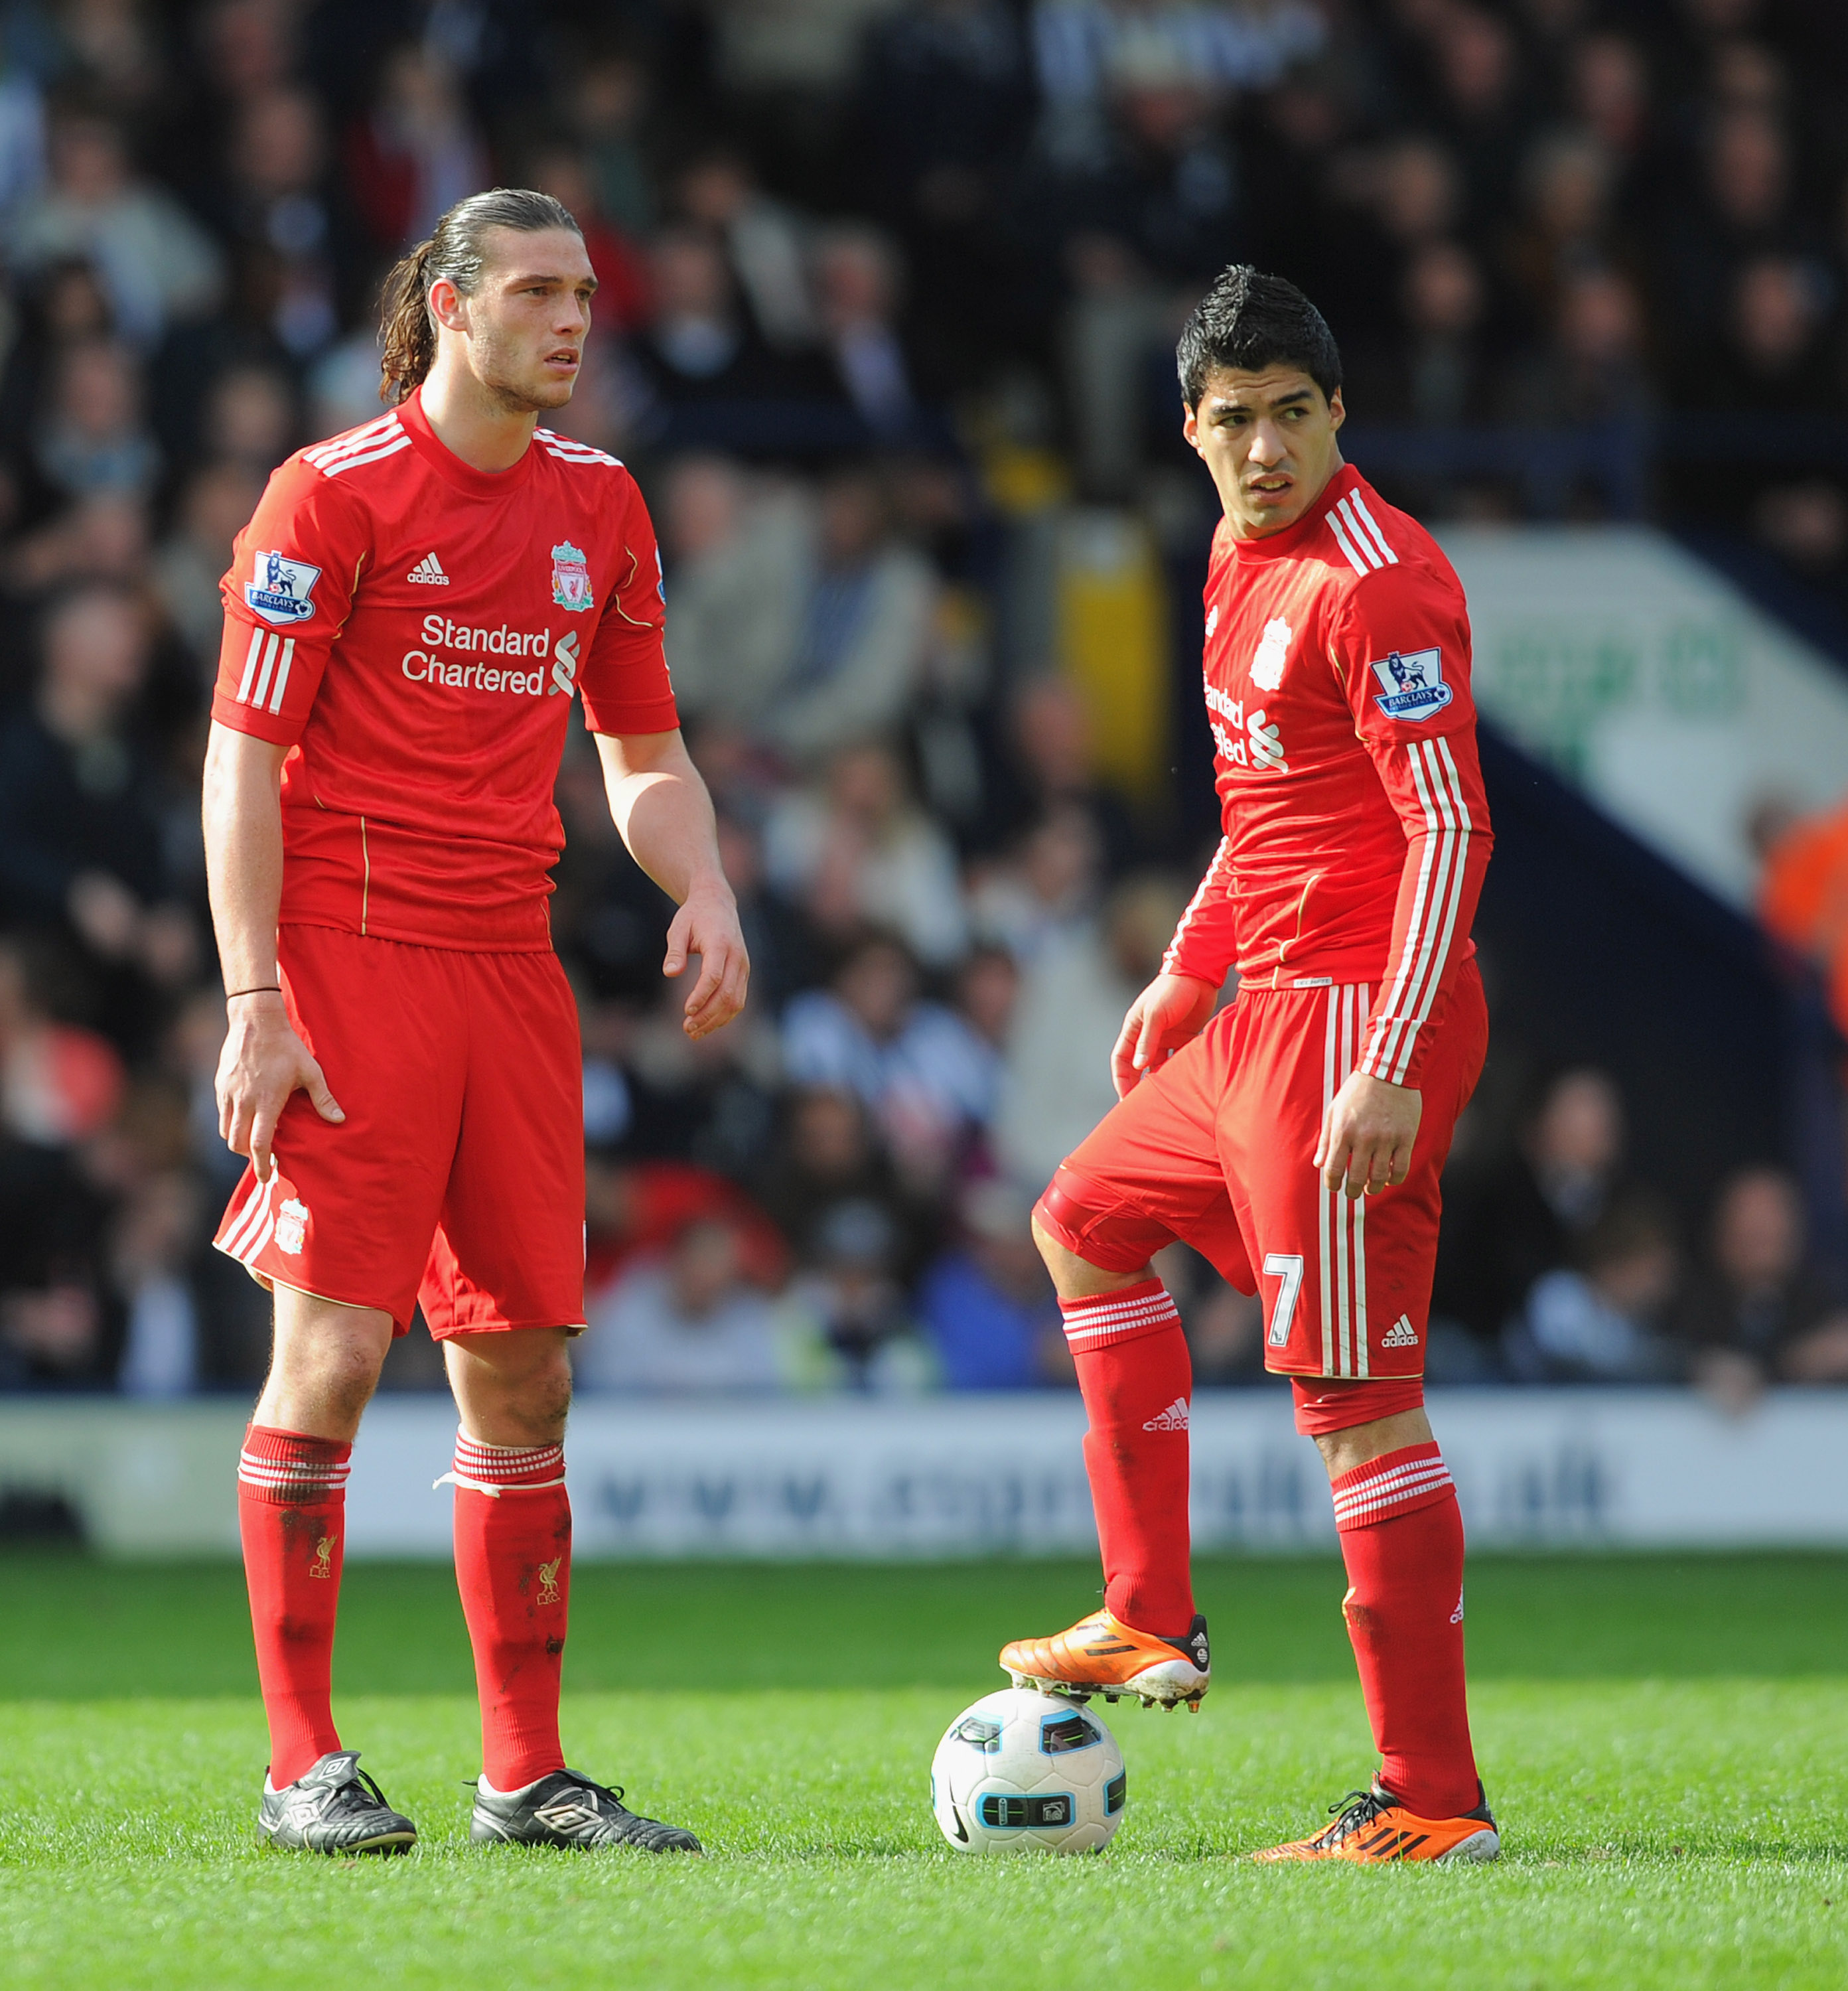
571,578
1412,685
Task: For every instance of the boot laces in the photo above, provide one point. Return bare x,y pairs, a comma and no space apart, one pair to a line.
1351,1814
351,1797
613,1793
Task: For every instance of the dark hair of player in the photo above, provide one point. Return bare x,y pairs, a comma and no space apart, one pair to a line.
456,250
1250,321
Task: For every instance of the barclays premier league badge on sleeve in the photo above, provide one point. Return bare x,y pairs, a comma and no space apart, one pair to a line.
1412,685
281,589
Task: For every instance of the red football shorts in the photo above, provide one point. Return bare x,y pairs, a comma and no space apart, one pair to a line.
456,1177
1216,1149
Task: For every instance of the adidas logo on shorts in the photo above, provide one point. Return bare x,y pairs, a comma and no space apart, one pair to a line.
1401,1334
1173,1418
430,570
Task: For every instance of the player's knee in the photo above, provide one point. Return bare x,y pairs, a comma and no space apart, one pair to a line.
515,1384
1079,1237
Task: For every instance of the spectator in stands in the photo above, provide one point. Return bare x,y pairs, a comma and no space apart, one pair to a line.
214,505
634,1209
783,951
104,538
1073,997
59,1083
157,266
919,1068
1566,184
249,419
62,305
946,109
868,620
606,109
849,1311
1048,765
80,841
710,1100
987,1304
1527,1214
93,441
416,153
1078,43
1803,888
154,1239
1440,374
687,1321
1590,370
1758,1313
1774,344
860,849
1602,1320
764,247
697,347
856,282
737,550
280,204
828,1153
1049,887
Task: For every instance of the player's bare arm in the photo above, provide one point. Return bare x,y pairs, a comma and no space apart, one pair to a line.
1171,1012
1367,1135
264,1060
660,805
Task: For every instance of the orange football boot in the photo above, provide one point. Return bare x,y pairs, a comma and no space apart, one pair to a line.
1100,1654
1373,1827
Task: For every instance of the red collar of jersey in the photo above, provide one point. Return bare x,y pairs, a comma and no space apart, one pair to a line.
450,466
1291,540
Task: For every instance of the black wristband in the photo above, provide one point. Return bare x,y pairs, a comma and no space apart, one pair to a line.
262,988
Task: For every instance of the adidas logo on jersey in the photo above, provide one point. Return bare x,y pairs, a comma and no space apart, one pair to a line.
1401,1334
1173,1418
429,569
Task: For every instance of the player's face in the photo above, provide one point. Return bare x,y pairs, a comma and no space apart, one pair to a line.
528,316
1268,439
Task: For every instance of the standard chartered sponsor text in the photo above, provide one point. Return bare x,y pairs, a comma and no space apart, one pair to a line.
422,667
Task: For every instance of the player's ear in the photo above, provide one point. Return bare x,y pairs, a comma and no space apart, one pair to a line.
1337,410
1190,427
447,305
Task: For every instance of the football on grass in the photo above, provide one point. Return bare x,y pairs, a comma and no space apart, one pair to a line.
1027,1772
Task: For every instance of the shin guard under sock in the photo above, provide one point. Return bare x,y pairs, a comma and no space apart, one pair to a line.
291,1513
1136,1378
1402,1540
513,1568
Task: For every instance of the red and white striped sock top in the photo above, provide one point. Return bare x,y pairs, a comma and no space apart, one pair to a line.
495,1469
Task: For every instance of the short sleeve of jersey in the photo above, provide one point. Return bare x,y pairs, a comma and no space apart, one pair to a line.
624,680
1401,643
294,569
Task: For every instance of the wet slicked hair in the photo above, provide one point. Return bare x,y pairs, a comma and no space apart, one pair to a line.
456,250
1250,321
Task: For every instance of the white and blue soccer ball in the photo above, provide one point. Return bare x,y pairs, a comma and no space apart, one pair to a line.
1026,1772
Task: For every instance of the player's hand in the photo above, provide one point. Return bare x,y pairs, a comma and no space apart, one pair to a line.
1367,1133
707,925
1170,1011
263,1063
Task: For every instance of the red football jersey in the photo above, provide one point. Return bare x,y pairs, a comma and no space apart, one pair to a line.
414,629
1357,833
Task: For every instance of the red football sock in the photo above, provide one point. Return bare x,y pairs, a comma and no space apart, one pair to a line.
291,1511
1136,1378
1402,1540
513,1567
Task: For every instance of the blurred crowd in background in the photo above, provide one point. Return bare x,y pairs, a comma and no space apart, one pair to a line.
888,293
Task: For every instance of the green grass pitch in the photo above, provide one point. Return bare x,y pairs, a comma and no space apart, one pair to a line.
1665,1739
